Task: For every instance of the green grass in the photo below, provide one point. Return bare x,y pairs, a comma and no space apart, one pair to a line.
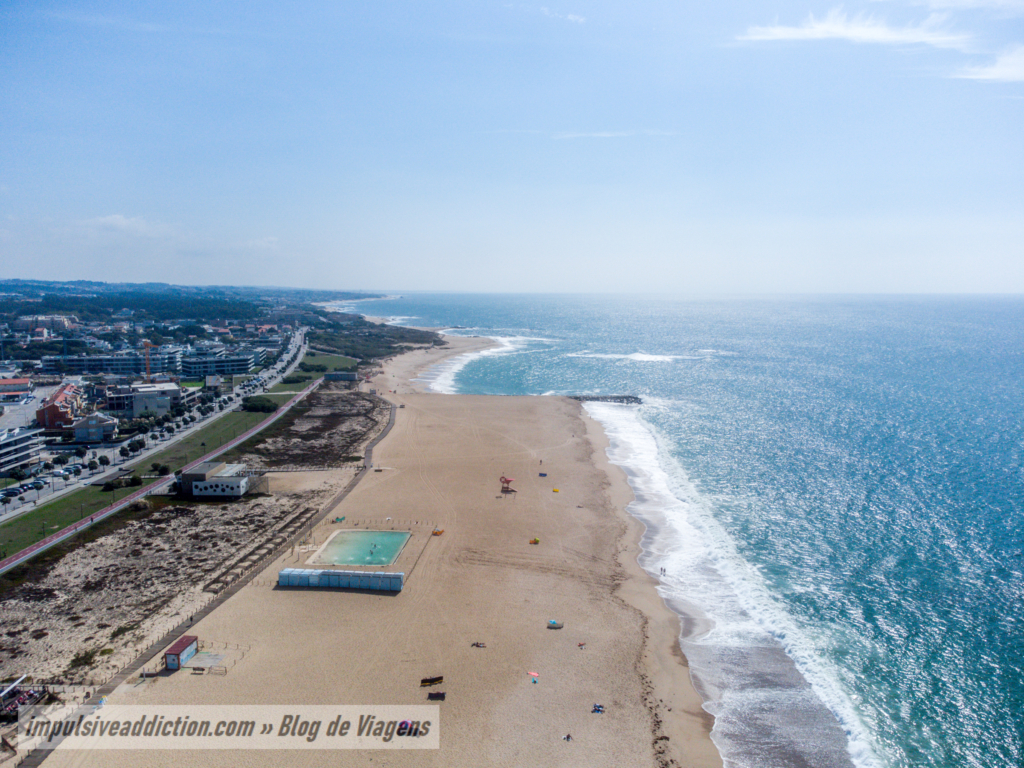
32,526
333,362
282,399
306,378
29,528
215,435
192,384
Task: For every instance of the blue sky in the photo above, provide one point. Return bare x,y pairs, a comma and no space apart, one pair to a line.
681,147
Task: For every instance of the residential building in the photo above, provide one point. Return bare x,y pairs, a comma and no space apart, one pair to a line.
50,322
19,449
95,428
165,359
61,409
221,363
12,390
131,401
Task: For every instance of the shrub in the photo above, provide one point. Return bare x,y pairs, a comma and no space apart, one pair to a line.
258,404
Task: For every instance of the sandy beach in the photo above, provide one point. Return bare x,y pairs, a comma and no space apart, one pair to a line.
481,581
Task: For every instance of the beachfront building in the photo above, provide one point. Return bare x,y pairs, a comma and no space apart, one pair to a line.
61,409
95,428
19,449
213,479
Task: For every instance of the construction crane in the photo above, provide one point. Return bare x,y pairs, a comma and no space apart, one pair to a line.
148,345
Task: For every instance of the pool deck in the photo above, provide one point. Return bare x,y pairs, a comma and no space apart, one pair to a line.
420,536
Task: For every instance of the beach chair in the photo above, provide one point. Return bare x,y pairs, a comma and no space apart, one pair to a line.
436,696
428,681
555,624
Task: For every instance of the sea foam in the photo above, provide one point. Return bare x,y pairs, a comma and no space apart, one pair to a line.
440,378
775,701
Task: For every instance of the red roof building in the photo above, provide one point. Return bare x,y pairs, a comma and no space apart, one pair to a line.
60,409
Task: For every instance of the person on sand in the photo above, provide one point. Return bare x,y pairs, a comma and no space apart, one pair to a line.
567,737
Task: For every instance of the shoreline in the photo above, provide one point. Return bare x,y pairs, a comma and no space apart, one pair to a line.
479,581
681,712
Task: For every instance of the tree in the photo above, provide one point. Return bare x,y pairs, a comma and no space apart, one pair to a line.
6,500
81,451
125,453
93,465
155,466
164,470
47,465
18,474
104,461
78,471
60,460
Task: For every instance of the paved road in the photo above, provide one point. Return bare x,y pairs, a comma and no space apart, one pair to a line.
71,530
12,512
37,757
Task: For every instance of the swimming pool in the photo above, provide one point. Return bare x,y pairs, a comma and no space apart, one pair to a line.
362,548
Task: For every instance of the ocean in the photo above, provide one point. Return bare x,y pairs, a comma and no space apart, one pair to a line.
835,484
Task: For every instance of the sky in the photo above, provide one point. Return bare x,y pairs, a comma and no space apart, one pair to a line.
580,146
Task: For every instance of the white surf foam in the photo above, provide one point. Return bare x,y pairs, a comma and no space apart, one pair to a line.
637,357
705,575
441,377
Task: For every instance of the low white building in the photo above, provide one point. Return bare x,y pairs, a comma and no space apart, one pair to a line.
217,479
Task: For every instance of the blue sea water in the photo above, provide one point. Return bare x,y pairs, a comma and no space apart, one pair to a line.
835,485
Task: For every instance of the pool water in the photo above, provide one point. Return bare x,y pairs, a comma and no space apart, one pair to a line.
362,548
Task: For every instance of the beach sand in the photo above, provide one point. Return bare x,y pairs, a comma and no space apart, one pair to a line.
401,373
479,581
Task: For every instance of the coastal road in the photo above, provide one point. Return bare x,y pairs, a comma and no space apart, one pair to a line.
55,538
298,345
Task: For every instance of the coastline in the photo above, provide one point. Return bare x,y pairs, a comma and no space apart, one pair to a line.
479,581
676,706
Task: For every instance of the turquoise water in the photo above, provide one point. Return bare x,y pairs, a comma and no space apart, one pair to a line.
837,483
363,548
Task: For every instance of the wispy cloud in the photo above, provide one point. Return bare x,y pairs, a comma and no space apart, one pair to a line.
1001,5
608,134
268,243
1007,68
567,16
544,10
836,25
108,22
127,225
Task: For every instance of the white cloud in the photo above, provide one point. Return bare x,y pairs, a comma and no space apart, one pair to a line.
110,22
1002,5
567,16
133,226
608,134
1007,68
268,243
862,29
